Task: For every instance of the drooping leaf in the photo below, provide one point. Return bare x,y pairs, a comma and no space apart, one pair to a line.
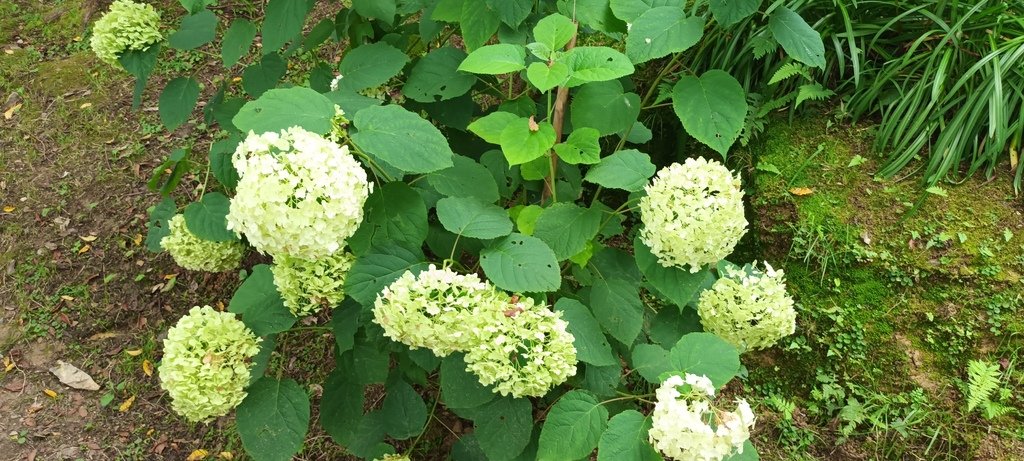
342,404
596,14
380,266
261,361
370,65
502,58
260,305
394,212
478,23
283,108
196,30
626,439
273,419
436,77
605,107
712,108
470,217
798,38
511,12
626,169
402,139
490,126
139,63
376,9
572,428
567,228
591,345
461,389
708,355
404,411
523,140
344,324
662,31
617,306
284,20
177,101
237,41
729,12
629,10
466,178
158,229
264,75
521,263
207,218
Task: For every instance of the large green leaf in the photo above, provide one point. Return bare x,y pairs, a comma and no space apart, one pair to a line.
260,305
749,453
546,76
629,10
193,6
436,77
370,65
158,229
139,63
605,107
524,140
712,108
618,308
583,146
626,439
478,23
662,31
345,324
376,9
404,411
342,406
196,30
237,41
708,355
651,361
572,428
177,101
554,31
591,345
207,218
264,75
392,213
502,58
511,12
567,228
470,217
521,263
461,389
466,178
729,12
402,139
284,20
273,419
379,267
595,14
678,285
283,108
490,126
504,427
596,64
626,169
798,38
260,362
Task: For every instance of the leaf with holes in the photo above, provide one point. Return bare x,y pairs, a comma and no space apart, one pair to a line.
521,263
712,108
662,31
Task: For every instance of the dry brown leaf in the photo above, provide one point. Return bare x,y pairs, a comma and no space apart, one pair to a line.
10,112
198,455
147,368
104,335
801,191
126,404
71,376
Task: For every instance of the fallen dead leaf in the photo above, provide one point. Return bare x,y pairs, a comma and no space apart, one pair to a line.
801,191
147,368
15,386
51,393
85,105
198,455
8,209
137,240
88,238
133,352
8,364
84,249
126,404
10,112
226,455
71,376
104,335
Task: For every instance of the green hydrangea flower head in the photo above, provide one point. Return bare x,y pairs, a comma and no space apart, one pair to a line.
438,309
127,26
196,254
308,285
526,352
750,309
687,423
692,214
205,368
393,457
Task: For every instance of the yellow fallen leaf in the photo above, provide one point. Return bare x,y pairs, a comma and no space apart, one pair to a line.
170,276
220,306
9,51
8,209
226,455
67,298
85,105
8,364
137,240
133,352
150,432
126,404
147,368
51,393
84,249
801,191
88,238
10,112
198,455
236,79
77,38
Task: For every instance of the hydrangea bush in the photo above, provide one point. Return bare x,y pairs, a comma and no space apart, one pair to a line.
465,201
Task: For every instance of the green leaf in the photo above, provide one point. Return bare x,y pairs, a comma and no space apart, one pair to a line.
708,355
591,345
478,23
662,31
318,35
729,12
605,107
596,64
527,219
583,146
284,20
162,212
626,439
379,267
461,389
283,108
469,217
273,419
193,6
466,178
394,212
237,41
490,126
595,14
402,139
520,144
554,31
343,400
671,323
140,63
676,284
651,362
369,434
208,218
567,228
749,453
177,101
617,306
220,161
369,361
436,77
502,58
629,10
344,324
261,361
404,411
370,66
602,381
511,12
799,39
376,9
260,305
712,108
264,75
504,427
196,30
350,101
547,76
572,428
626,169
521,263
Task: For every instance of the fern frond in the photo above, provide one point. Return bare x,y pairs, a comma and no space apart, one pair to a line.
982,380
812,91
763,45
788,70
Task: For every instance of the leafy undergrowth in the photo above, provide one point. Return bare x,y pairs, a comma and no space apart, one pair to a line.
898,289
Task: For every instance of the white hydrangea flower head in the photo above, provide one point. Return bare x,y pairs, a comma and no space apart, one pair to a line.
336,82
438,309
205,367
687,426
196,254
127,26
298,194
306,285
526,352
692,214
751,310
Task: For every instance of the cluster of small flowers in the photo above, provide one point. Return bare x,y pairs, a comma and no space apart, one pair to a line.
127,26
307,285
393,457
686,426
194,253
520,348
750,309
692,214
205,366
298,194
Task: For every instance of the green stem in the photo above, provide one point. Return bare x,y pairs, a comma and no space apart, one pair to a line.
309,328
425,425
369,160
